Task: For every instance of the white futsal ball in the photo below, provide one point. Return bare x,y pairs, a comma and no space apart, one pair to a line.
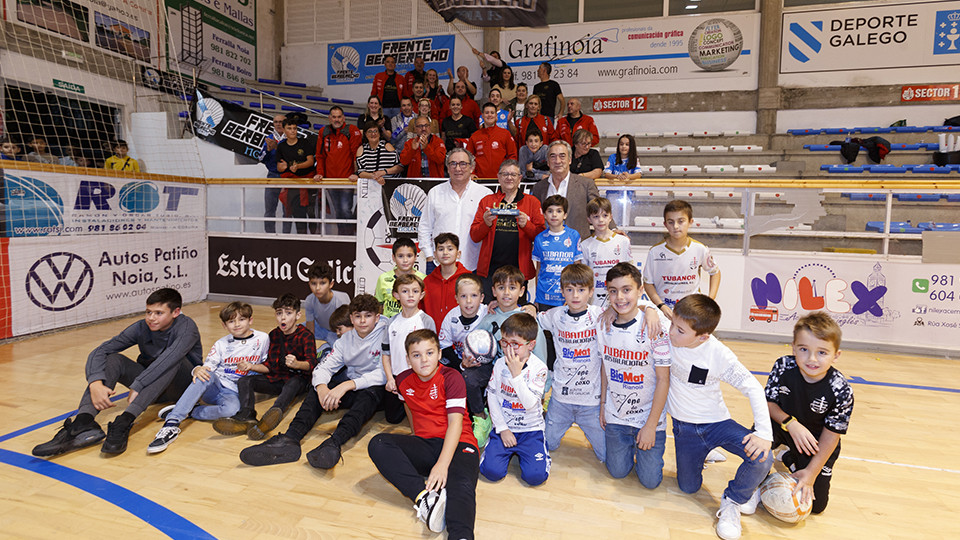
776,494
481,345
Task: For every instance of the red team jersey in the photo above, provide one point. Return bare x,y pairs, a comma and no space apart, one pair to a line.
431,401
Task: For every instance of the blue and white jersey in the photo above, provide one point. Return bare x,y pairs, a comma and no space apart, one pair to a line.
502,116
554,252
576,371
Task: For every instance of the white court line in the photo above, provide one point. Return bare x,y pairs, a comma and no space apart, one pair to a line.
901,464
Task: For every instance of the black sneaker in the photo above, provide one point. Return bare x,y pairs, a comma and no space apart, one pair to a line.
70,437
277,449
234,425
118,432
165,436
325,456
268,422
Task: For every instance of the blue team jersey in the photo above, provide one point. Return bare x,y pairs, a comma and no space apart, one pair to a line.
554,252
502,116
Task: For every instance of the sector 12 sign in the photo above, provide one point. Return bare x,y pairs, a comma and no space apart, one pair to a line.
624,103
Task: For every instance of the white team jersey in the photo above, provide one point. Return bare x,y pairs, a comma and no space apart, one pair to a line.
453,331
398,328
695,395
228,351
517,403
601,256
576,372
676,275
629,358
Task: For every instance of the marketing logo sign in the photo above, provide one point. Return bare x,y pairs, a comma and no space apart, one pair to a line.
59,281
885,36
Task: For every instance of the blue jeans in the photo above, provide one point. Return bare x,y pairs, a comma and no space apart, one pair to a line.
222,401
530,450
559,418
694,441
623,455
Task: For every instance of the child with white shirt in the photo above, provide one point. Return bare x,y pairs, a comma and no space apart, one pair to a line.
605,248
701,420
514,397
408,291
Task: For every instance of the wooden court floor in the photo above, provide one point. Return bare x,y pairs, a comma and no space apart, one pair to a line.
897,476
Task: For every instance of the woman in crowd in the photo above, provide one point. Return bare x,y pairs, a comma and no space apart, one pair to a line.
374,113
532,117
376,158
456,128
622,165
507,87
586,160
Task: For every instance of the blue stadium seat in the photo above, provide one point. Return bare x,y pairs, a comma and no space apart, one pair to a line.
234,101
270,106
317,98
268,81
929,169
931,226
822,147
953,197
930,146
184,114
304,126
895,227
264,92
803,131
845,169
295,84
292,108
342,102
945,128
318,127
911,129
873,129
290,96
237,89
915,197
837,131
905,146
885,169
868,196
351,115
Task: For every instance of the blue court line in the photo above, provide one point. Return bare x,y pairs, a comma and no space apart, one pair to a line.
162,519
155,515
559,61
861,380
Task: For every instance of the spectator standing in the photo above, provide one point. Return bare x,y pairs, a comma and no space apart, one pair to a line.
516,105
575,121
425,108
493,66
389,86
400,122
532,119
463,75
295,159
506,239
424,152
503,115
507,86
336,158
451,207
415,75
376,159
533,157
374,113
457,128
586,160
271,195
577,189
435,93
491,144
549,91
470,107
119,161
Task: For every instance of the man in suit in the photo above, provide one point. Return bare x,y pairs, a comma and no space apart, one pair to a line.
579,190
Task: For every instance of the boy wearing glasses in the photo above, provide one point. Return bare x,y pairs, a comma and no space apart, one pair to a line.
514,398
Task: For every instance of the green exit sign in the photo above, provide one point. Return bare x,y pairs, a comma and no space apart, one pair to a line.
66,85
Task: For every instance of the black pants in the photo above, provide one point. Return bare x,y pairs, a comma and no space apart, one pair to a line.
120,369
393,410
271,198
404,460
286,391
477,379
362,404
795,460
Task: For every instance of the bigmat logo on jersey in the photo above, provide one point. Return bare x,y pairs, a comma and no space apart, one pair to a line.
881,36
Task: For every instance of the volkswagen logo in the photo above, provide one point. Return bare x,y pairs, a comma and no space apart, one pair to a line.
59,281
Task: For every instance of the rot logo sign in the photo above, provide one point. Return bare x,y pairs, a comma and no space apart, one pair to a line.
625,103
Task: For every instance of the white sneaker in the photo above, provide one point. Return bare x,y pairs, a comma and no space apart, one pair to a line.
165,436
728,526
750,507
715,456
431,509
162,414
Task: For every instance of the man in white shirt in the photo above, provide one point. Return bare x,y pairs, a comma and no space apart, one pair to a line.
578,190
451,207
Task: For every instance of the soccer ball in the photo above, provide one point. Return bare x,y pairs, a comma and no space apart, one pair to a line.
776,494
481,345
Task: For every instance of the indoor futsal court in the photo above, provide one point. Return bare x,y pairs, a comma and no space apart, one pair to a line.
896,477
